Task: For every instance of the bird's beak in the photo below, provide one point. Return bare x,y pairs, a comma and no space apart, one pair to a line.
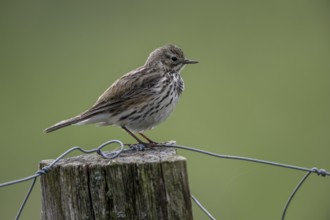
189,61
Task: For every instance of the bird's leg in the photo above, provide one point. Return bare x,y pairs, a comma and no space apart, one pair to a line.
140,146
148,139
133,135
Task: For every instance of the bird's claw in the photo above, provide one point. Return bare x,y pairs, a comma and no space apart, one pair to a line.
138,147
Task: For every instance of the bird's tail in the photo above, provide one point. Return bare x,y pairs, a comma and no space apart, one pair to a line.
63,124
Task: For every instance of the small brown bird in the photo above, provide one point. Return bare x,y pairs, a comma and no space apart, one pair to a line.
142,98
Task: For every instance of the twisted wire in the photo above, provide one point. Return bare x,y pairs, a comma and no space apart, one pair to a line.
48,168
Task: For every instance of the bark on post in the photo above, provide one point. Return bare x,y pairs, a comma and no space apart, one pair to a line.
152,184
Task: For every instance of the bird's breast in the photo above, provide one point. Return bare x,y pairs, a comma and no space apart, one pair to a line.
160,105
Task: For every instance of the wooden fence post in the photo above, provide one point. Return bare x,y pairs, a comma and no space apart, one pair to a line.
150,184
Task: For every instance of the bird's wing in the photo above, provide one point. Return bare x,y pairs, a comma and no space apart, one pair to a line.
134,87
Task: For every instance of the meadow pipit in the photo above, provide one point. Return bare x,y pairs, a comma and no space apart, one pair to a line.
142,98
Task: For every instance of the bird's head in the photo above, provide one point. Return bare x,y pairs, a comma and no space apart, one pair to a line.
168,57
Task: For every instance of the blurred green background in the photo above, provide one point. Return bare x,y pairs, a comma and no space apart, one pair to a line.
261,90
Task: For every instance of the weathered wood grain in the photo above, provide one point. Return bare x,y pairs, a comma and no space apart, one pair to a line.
151,184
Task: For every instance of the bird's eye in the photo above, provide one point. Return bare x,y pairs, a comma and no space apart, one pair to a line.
174,59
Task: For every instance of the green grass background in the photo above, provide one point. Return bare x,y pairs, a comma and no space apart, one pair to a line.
261,90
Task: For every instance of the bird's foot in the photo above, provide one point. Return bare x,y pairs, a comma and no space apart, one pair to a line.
138,146
167,143
142,145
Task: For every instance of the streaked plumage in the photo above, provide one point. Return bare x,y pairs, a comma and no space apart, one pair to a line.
142,98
